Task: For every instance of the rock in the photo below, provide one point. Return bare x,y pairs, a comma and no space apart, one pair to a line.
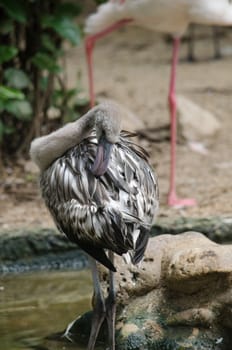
192,260
198,147
186,262
195,122
179,298
193,289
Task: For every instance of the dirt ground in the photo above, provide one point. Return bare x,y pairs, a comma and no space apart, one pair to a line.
132,66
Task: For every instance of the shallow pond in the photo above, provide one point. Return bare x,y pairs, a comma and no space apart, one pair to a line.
36,306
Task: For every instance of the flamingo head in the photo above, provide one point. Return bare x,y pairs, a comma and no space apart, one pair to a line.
107,124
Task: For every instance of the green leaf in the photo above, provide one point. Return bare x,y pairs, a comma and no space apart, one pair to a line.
20,109
64,26
16,78
48,43
10,94
7,53
46,62
15,9
2,106
70,93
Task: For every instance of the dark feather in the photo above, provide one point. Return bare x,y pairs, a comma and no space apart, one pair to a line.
98,254
141,245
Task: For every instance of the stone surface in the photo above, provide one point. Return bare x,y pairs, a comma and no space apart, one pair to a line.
187,263
195,122
179,298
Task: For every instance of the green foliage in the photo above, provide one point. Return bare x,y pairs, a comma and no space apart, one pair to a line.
15,9
16,78
21,110
7,53
7,94
32,83
44,61
63,26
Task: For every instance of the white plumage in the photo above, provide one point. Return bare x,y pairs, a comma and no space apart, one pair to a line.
167,16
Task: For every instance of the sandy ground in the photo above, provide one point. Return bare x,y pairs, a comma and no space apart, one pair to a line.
132,67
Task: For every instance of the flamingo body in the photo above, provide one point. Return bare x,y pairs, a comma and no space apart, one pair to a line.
111,212
166,16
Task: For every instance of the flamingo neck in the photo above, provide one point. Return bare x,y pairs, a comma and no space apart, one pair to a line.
44,150
105,117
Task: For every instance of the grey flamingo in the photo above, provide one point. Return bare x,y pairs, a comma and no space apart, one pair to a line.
166,16
102,194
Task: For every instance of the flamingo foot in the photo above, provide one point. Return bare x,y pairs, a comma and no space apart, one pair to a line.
176,202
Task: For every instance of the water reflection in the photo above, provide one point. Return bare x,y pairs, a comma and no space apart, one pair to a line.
33,306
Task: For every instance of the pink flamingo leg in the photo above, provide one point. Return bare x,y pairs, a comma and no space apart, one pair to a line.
89,45
173,200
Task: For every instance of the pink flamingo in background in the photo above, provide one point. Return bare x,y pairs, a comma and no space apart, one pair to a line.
166,16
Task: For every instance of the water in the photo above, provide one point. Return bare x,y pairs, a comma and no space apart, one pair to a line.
34,306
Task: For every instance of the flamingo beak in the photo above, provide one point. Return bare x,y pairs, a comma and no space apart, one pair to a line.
102,158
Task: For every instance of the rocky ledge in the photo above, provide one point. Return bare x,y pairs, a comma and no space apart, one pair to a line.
180,298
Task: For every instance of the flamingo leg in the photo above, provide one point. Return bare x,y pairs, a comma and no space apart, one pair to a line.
103,308
89,46
99,310
111,306
173,200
